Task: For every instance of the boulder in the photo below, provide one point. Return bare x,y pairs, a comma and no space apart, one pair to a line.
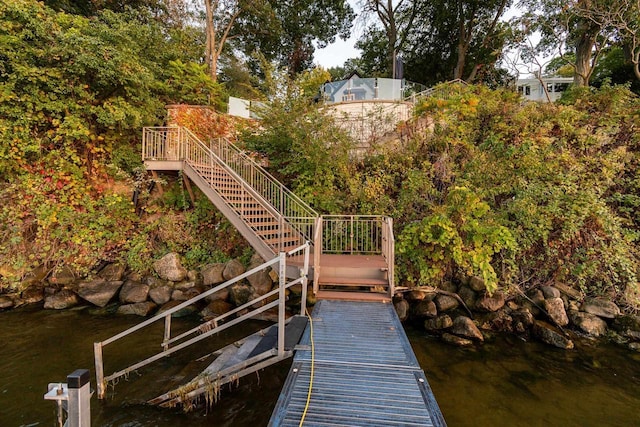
33,294
448,286
490,303
261,282
240,293
497,321
215,309
445,302
601,308
98,292
628,325
185,286
438,323
589,323
468,296
212,274
35,276
568,291
477,284
455,340
160,294
555,309
5,302
418,295
550,335
425,309
185,294
537,297
133,292
232,269
152,281
635,346
139,308
62,276
194,276
464,326
112,272
183,312
522,320
402,309
222,294
550,292
169,268
66,298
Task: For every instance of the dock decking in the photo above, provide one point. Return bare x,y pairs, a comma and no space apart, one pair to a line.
365,372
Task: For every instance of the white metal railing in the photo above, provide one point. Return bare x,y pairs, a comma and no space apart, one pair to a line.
441,90
173,344
352,234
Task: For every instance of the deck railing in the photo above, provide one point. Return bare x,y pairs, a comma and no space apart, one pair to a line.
171,344
442,90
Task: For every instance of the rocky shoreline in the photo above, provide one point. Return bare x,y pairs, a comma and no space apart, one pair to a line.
460,313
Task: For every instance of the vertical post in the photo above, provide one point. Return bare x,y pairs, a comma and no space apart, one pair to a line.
317,252
305,275
167,332
351,236
79,408
97,353
282,282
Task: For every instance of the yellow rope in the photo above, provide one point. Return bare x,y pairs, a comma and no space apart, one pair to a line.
306,406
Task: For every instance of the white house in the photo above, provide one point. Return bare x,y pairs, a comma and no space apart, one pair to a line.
532,89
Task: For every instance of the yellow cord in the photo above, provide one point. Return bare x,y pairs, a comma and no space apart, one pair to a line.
306,406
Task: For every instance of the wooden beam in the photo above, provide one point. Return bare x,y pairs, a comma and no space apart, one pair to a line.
187,183
156,179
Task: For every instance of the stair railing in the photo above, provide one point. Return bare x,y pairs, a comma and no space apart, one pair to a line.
205,330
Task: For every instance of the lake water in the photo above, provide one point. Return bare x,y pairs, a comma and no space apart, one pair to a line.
503,382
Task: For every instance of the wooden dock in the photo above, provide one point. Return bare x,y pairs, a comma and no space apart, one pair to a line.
364,372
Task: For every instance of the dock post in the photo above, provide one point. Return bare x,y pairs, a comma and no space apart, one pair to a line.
72,397
281,305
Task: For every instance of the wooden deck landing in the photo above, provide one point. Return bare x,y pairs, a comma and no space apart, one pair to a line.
365,372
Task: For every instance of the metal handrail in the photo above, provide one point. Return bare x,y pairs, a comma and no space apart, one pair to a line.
439,88
352,234
211,327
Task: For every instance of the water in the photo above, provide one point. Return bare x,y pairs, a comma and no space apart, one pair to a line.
503,382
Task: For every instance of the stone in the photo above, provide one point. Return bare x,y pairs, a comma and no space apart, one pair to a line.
183,312
550,335
98,292
448,286
261,282
212,274
170,268
550,292
635,346
133,292
222,294
536,296
418,295
627,322
178,295
555,310
425,309
112,272
240,293
5,302
468,296
522,320
152,281
490,303
402,309
274,275
215,309
33,294
232,269
194,276
139,309
568,291
477,284
184,286
66,298
62,276
438,323
455,340
497,321
589,323
445,302
464,326
35,276
160,294
601,308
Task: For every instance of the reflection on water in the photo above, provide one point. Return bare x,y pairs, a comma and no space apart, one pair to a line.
503,382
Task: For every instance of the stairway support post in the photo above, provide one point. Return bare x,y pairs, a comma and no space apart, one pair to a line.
282,281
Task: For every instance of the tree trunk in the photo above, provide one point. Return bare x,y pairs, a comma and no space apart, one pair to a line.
210,49
584,53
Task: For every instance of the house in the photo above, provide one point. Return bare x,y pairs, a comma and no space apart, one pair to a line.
532,89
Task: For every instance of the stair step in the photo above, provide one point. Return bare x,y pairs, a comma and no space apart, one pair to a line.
353,296
352,281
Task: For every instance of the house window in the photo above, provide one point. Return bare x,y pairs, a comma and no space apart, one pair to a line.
348,97
524,90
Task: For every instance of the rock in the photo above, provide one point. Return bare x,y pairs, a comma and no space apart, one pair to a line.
169,268
550,335
536,296
463,326
184,286
240,293
601,308
635,346
35,276
5,302
589,323
490,303
194,276
274,275
212,274
66,298
261,282
438,323
497,321
98,292
445,302
626,323
448,286
215,309
550,292
62,276
568,291
402,309
139,308
222,294
160,294
455,340
133,292
112,272
184,312
425,309
33,294
477,284
468,296
417,295
555,309
152,281
522,320
232,269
